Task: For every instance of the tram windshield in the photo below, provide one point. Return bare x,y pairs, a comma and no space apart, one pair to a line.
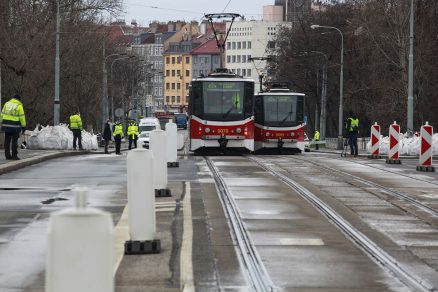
283,110
223,97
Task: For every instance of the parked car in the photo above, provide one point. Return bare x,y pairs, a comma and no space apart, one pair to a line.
145,127
181,120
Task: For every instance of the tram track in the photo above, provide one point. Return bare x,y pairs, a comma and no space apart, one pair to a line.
369,246
257,276
396,194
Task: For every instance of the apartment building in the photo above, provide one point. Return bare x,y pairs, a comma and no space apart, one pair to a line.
249,39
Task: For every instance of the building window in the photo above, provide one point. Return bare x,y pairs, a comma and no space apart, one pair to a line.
173,60
178,86
167,72
234,45
167,99
167,60
239,45
248,58
160,91
187,86
178,99
243,58
173,99
249,45
178,72
173,73
228,45
243,45
187,73
234,59
243,72
187,60
238,71
173,86
167,85
248,72
228,59
238,58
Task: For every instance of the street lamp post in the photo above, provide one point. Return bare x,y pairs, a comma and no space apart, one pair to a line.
323,116
56,107
341,82
105,86
410,121
112,92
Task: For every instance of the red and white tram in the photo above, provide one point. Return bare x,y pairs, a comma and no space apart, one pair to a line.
221,112
279,120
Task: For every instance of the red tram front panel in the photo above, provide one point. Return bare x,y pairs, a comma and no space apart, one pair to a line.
270,137
239,134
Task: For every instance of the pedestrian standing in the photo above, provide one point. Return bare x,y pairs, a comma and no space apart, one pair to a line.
316,139
106,135
14,122
76,128
352,128
118,135
133,134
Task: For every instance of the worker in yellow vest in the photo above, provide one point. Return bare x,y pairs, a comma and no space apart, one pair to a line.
316,139
13,123
132,134
352,128
118,136
76,128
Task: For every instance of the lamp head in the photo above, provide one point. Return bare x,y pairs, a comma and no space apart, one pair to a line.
313,26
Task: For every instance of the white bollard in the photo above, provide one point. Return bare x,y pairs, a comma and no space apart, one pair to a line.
157,144
141,203
80,249
172,141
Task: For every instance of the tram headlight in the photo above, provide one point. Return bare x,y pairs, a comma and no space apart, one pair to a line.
292,134
238,130
268,134
207,130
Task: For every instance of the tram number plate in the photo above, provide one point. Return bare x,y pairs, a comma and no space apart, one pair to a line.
222,131
280,135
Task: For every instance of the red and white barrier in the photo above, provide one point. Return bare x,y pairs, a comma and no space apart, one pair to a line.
375,141
426,135
394,144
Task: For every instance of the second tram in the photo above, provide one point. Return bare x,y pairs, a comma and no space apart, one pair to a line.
221,112
279,120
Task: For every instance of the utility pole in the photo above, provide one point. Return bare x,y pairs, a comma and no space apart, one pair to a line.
56,107
410,125
104,89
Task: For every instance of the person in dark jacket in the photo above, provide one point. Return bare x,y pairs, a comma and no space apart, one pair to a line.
13,123
107,135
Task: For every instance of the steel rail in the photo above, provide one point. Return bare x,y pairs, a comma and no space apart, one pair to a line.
387,190
355,235
258,277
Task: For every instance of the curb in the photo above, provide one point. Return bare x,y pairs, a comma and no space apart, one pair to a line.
365,155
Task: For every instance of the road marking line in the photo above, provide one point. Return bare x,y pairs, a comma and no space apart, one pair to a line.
186,267
121,235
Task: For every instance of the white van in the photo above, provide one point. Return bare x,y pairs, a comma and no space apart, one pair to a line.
145,126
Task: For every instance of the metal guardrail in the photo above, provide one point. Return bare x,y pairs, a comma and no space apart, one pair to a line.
332,143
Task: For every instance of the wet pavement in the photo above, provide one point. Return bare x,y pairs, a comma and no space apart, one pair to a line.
299,247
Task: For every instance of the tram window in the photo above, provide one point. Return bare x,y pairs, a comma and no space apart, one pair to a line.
281,110
223,98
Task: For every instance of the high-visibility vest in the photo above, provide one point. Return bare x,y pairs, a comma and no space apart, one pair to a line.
75,122
316,138
354,125
13,116
133,131
118,130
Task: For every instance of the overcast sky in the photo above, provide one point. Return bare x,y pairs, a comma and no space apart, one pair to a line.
145,11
